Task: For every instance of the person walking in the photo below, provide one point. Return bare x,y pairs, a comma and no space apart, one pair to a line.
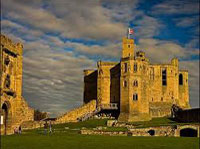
50,127
45,127
20,129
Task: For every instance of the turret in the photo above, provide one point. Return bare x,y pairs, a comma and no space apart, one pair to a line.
127,48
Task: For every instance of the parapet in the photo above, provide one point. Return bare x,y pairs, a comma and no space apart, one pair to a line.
100,63
14,47
88,72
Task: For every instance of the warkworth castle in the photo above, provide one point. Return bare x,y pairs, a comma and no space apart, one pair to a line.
134,88
140,90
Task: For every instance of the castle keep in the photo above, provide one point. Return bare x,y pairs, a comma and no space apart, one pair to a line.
14,109
138,89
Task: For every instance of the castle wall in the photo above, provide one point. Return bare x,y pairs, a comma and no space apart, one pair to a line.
183,90
90,85
104,82
159,92
115,84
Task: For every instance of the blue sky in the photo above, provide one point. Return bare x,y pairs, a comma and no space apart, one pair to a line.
62,38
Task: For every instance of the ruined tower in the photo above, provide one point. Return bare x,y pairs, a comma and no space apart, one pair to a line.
14,109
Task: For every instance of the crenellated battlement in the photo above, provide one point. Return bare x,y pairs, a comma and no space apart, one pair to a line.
100,63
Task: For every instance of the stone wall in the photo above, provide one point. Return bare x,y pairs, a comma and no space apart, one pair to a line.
74,115
160,109
190,115
100,132
90,85
104,82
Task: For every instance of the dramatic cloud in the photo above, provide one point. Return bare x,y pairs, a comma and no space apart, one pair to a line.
71,19
163,51
53,80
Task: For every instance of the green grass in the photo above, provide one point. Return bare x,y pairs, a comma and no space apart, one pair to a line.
77,141
72,139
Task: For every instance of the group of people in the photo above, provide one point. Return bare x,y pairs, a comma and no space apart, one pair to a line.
18,130
46,127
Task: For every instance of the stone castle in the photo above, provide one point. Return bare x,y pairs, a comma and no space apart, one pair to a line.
14,109
138,89
133,87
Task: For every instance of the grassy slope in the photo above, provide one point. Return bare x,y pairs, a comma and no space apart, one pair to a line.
70,139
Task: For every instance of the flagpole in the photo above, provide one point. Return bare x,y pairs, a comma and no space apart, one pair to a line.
128,33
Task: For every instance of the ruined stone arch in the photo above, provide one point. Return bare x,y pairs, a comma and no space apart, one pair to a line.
7,115
188,132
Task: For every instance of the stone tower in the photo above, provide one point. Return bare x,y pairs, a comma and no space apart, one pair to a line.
14,109
134,104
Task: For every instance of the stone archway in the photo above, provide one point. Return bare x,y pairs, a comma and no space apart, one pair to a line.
5,113
188,132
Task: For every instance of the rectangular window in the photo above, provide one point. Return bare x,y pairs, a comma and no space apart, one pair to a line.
135,67
125,67
135,97
164,77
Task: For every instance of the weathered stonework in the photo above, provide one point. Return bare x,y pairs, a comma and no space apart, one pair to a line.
14,109
74,115
142,90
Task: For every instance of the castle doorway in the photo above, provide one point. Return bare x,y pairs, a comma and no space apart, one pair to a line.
188,132
5,117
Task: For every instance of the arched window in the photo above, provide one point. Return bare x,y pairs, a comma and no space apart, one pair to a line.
125,83
135,97
180,79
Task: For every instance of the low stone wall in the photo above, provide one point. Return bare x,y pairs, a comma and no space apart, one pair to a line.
73,115
32,125
153,131
160,109
163,130
100,132
167,131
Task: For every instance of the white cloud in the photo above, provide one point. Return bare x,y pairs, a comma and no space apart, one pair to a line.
73,19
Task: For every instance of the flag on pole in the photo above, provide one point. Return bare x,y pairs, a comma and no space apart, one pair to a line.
130,31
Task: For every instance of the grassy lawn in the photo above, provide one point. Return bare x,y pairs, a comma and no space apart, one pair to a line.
69,138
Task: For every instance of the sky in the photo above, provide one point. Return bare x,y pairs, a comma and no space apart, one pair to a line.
61,38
